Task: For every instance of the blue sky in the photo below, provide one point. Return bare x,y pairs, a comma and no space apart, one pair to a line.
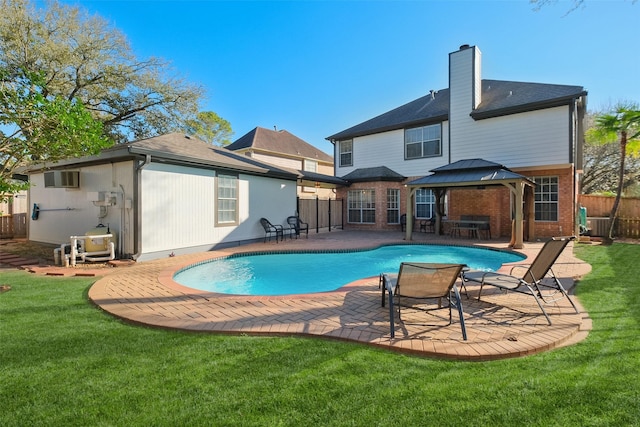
315,68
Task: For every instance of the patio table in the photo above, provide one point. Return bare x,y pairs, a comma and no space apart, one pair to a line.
472,226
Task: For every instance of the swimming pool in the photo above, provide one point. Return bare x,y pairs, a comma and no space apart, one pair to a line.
308,272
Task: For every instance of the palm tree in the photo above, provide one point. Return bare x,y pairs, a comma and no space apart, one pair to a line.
622,124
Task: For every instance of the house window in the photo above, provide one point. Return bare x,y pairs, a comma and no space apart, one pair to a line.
393,206
546,198
421,142
345,149
310,165
362,206
227,199
425,203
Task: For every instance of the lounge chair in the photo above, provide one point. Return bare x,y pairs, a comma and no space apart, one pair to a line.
271,230
423,281
298,225
533,279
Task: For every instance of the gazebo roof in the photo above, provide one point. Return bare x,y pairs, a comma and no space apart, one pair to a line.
470,172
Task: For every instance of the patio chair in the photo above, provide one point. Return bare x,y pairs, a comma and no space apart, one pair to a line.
403,223
271,230
416,281
485,226
538,275
298,225
428,225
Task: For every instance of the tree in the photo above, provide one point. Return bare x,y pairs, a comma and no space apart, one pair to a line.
85,61
538,4
211,128
623,125
35,127
601,166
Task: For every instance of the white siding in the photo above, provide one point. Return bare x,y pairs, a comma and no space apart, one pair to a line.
387,149
534,138
179,203
177,207
461,79
55,226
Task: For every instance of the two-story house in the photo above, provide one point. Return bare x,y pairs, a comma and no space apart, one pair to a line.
283,149
531,133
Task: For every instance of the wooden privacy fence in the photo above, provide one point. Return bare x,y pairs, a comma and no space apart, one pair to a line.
321,213
13,226
598,210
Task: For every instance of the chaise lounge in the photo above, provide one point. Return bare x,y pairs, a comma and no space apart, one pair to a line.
537,276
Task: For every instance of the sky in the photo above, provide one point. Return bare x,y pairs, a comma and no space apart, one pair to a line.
315,68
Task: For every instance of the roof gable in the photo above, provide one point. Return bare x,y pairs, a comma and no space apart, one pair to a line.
280,141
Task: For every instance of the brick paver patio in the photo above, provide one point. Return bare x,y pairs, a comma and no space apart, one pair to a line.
501,325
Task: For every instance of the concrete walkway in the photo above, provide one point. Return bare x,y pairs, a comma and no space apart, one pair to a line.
499,326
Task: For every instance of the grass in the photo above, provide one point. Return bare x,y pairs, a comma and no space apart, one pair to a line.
63,362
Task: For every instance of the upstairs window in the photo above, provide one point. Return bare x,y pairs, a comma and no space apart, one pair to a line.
310,165
424,141
345,151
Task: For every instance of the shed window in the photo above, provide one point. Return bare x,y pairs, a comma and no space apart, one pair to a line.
227,200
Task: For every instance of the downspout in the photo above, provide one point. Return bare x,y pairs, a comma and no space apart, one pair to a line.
137,223
122,222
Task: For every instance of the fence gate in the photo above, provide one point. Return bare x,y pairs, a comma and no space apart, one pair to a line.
321,214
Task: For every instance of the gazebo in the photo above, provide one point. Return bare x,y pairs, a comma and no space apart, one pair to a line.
474,173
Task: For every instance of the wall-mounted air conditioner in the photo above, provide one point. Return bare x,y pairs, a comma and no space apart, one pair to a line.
62,179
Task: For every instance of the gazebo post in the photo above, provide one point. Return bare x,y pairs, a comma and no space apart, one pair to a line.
409,225
517,188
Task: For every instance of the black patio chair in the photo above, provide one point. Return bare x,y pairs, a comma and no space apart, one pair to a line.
271,230
298,225
428,225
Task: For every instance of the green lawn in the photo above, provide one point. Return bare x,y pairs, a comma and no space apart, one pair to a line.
65,363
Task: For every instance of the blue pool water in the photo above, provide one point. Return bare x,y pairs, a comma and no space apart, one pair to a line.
302,273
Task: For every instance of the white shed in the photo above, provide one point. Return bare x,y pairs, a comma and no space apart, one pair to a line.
171,194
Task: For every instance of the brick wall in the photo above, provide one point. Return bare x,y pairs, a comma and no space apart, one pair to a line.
494,201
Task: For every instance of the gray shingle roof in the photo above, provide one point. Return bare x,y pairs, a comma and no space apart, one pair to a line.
498,98
505,97
378,173
179,149
472,171
432,107
279,142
